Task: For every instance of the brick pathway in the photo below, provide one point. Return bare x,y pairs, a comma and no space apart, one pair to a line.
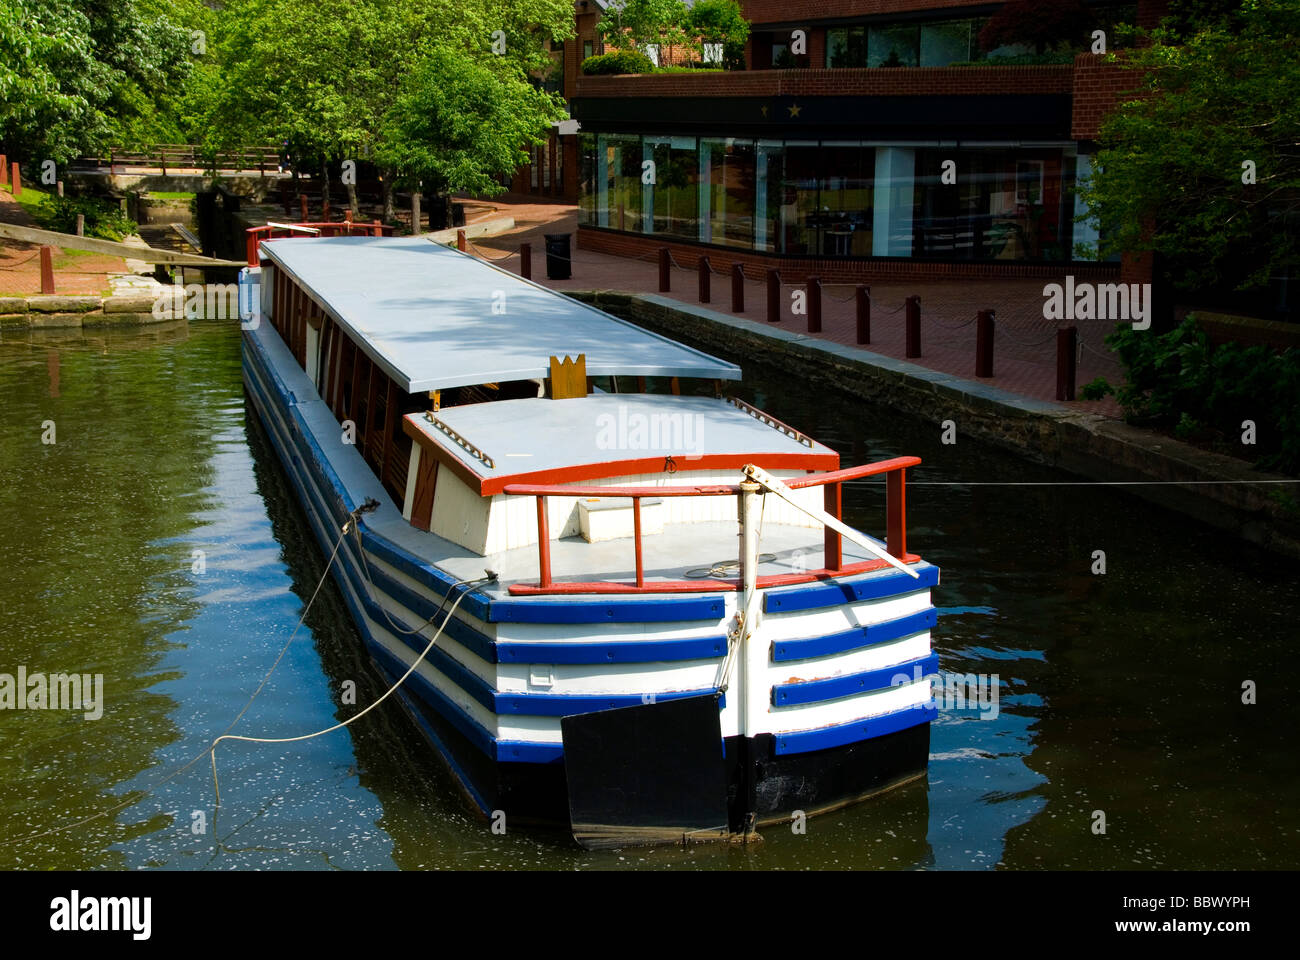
1024,354
75,271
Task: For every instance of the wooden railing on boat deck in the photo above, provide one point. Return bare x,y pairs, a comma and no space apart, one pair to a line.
895,472
330,228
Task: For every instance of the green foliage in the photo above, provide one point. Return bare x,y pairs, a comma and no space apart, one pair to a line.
719,21
1169,176
75,77
104,219
1186,17
1037,23
633,24
325,77
1178,382
616,62
459,122
1097,389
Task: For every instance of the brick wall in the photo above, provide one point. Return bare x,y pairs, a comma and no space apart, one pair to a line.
1098,89
862,82
789,11
798,270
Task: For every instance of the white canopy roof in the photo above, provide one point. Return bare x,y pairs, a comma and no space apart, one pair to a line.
425,314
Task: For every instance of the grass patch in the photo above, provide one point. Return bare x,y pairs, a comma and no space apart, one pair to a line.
168,195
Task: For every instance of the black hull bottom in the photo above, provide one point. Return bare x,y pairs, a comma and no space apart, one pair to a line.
759,781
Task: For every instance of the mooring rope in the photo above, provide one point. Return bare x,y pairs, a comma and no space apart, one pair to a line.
216,786
208,749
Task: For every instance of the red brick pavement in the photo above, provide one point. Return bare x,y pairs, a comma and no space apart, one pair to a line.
1024,342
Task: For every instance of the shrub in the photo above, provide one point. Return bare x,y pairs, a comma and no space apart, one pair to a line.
618,61
103,218
1179,383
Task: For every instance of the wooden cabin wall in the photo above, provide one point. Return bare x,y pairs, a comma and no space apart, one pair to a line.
352,385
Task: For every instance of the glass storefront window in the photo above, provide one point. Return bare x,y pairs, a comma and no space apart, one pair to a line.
892,46
844,219
618,203
675,192
731,176
1007,204
834,198
587,179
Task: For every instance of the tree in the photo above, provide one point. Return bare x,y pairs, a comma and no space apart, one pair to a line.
636,24
1036,23
74,77
1200,166
461,121
324,75
720,21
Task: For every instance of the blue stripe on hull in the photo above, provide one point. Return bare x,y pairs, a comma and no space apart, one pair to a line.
874,587
856,638
805,741
833,688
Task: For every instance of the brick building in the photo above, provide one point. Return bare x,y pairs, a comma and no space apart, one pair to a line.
866,139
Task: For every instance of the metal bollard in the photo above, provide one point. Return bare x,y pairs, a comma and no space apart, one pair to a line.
984,343
1067,359
526,261
773,296
737,288
913,327
864,313
665,271
814,286
704,279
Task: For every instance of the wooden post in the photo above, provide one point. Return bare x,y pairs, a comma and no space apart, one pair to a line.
47,269
896,512
526,261
18,181
864,313
833,545
1067,358
460,240
913,333
773,296
737,288
81,224
4,169
543,545
665,272
284,197
415,212
814,287
377,227
636,534
704,279
984,343
302,198
325,202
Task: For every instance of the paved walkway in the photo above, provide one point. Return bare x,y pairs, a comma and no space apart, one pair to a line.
1024,343
75,271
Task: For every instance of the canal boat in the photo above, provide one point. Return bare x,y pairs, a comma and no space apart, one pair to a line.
660,629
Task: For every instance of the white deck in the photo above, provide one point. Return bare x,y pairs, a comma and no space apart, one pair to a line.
534,435
434,318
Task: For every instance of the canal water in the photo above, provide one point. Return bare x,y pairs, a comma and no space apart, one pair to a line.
154,542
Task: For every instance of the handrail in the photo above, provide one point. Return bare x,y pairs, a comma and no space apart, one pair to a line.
895,471
325,228
716,490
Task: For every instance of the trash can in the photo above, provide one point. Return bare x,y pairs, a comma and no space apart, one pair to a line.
558,262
